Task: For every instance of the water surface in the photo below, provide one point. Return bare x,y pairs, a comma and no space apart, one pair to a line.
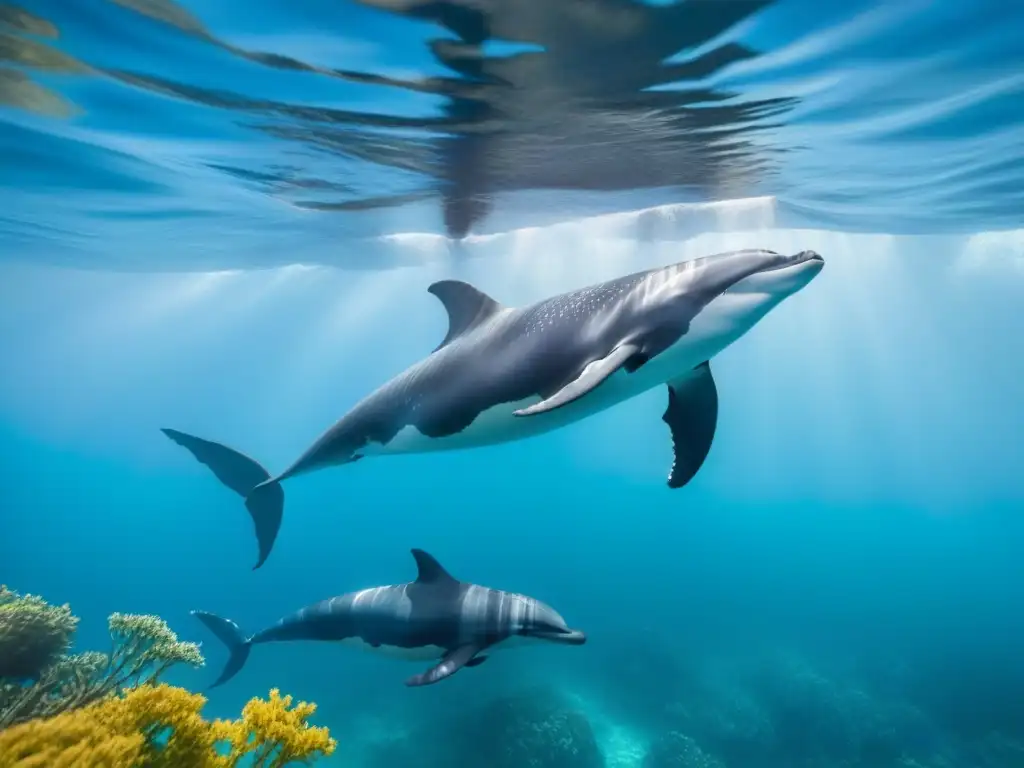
275,132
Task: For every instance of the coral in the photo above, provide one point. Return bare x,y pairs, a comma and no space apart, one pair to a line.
33,634
161,726
675,750
142,649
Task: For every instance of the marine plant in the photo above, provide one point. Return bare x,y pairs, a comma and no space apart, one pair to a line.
38,678
33,634
275,733
161,726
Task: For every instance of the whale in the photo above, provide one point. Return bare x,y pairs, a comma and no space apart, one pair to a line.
507,373
434,617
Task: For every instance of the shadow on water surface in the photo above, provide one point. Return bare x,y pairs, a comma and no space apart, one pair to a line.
575,111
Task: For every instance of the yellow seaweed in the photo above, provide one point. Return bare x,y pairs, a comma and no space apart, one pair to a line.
70,740
275,733
161,726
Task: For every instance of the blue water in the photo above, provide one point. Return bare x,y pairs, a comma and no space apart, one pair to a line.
860,510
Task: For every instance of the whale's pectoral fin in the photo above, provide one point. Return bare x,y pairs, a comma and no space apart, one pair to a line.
466,306
450,663
476,661
692,416
592,375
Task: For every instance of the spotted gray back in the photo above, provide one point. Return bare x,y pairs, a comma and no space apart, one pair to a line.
511,355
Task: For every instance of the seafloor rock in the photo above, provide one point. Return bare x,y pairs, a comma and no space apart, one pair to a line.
727,721
775,709
537,728
644,686
676,750
819,720
534,729
997,750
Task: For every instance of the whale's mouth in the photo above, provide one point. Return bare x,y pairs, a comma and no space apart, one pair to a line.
797,259
780,275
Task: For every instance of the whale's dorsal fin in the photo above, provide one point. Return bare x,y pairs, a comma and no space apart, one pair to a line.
467,307
429,571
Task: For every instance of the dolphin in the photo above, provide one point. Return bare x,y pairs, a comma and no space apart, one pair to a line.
434,617
504,373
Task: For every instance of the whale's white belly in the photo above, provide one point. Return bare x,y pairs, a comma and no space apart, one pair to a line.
495,425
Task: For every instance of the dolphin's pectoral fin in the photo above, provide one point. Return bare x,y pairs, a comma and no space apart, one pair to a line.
592,375
467,307
450,663
476,661
692,416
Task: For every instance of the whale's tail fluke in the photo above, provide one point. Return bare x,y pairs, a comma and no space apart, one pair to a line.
264,497
237,643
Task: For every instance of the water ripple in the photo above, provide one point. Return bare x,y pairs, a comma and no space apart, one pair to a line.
288,131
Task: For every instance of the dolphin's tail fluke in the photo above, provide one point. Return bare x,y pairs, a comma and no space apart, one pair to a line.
264,497
229,634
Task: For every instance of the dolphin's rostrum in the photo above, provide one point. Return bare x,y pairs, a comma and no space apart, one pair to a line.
503,373
434,617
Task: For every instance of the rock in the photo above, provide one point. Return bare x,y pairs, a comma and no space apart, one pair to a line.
537,728
676,750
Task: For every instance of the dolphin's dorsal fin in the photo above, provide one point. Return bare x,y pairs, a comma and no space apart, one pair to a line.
467,307
429,570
